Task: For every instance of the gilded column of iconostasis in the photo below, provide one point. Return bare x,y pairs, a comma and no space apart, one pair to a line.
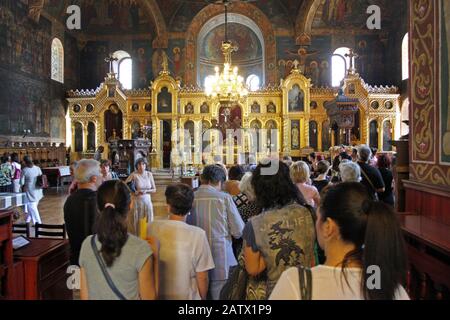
296,110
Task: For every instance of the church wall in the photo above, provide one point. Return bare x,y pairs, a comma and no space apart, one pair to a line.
430,166
30,99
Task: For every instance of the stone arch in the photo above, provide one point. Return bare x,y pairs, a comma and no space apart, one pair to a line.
162,38
245,9
305,18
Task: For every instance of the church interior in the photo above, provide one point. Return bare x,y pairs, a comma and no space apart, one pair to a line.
178,86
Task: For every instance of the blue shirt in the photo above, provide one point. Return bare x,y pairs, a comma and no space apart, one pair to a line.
215,212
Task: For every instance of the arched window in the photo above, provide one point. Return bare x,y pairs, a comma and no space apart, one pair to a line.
339,65
57,61
405,57
124,68
253,82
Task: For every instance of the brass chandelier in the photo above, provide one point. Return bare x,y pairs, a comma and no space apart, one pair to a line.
228,85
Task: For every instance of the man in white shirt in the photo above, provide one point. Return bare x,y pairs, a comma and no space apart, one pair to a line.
185,255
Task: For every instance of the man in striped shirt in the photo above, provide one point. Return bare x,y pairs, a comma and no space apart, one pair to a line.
215,212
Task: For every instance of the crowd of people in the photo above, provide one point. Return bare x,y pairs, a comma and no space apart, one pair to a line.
244,234
22,176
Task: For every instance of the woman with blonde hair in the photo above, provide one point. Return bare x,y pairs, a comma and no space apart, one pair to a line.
300,175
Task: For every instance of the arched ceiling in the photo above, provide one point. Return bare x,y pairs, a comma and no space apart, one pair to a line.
159,17
175,14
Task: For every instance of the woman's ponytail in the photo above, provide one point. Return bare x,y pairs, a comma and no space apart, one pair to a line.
384,252
113,199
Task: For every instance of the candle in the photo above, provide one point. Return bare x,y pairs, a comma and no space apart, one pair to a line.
143,228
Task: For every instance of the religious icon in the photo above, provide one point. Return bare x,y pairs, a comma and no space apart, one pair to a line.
351,88
111,92
89,108
148,107
295,135
165,101
375,105
204,108
76,108
271,108
313,105
388,105
256,108
189,109
114,108
296,99
135,107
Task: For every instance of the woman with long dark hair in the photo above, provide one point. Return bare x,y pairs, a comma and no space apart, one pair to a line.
364,249
126,259
282,235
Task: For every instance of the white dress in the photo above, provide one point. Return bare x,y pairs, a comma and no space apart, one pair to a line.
34,195
16,182
142,204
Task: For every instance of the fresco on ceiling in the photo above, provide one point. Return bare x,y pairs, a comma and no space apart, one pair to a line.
347,13
276,13
182,19
249,47
248,58
113,16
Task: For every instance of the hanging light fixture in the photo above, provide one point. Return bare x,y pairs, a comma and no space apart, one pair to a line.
228,85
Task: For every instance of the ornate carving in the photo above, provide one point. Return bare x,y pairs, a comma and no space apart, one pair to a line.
423,79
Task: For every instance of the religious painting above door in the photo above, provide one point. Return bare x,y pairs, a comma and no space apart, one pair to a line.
445,83
296,99
165,101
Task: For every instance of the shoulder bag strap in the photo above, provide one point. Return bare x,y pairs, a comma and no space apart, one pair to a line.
368,179
104,271
305,279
